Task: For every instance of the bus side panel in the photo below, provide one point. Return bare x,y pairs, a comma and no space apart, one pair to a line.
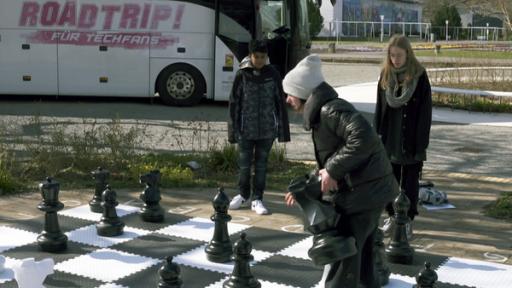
80,69
26,68
205,66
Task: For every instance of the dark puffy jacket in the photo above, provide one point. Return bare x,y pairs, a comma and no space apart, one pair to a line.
350,150
257,107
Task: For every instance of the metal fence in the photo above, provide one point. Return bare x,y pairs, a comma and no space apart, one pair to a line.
420,30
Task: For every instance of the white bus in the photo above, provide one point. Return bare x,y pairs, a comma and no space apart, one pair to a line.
182,51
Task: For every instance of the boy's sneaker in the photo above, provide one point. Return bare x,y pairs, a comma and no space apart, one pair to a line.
258,207
388,227
236,202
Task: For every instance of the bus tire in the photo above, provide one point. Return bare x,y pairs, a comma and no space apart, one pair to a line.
181,85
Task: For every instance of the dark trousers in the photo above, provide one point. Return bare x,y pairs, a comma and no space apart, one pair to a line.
259,150
408,176
360,268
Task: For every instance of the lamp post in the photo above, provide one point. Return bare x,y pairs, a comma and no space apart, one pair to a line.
487,32
381,28
446,29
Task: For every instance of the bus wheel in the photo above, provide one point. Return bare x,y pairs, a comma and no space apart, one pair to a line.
181,85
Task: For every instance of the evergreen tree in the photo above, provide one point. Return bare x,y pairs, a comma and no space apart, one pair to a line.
447,12
316,21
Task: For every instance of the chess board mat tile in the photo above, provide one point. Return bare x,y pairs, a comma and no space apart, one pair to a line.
298,249
400,281
476,273
269,240
32,251
197,258
292,271
61,280
264,284
418,264
134,220
89,235
158,246
13,237
192,277
199,229
85,213
66,224
106,264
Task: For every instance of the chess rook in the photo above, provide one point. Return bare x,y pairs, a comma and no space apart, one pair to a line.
170,275
219,249
398,249
110,225
151,211
241,276
320,219
51,239
100,177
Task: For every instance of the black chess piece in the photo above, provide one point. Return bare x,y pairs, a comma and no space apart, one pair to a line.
51,239
381,265
110,225
241,276
398,249
151,211
100,176
426,278
219,249
320,219
170,275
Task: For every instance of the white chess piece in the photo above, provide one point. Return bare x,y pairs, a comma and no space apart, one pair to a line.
2,264
31,274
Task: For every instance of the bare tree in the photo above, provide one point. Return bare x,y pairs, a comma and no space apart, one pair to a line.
501,9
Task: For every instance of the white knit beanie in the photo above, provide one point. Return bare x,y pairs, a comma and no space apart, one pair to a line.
306,76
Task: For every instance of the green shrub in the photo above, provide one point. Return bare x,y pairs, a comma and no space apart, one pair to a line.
502,208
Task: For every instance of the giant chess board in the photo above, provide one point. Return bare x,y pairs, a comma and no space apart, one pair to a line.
133,259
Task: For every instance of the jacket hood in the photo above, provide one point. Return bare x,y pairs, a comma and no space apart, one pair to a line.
322,94
246,63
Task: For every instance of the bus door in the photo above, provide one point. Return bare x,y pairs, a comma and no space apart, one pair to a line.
234,26
26,63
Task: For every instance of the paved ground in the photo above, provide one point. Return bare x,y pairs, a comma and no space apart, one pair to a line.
471,163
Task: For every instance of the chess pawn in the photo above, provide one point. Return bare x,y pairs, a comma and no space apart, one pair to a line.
426,278
399,250
219,249
110,225
381,265
51,239
31,274
241,276
170,275
151,211
100,176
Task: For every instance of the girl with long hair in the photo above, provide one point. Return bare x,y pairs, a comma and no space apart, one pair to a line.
403,117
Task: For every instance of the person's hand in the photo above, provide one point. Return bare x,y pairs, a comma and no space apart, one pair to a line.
328,183
288,198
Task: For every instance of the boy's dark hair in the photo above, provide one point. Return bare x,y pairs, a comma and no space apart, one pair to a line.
258,46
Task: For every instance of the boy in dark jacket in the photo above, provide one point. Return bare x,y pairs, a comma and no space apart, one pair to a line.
352,163
258,115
